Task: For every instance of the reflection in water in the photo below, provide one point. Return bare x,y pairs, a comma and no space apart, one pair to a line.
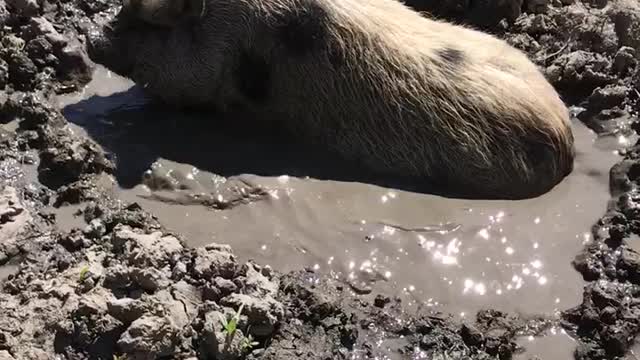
311,210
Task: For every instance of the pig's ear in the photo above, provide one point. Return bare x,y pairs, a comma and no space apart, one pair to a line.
192,8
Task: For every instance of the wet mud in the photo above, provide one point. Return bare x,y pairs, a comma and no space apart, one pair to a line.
457,256
114,211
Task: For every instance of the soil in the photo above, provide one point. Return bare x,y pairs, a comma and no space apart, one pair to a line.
117,283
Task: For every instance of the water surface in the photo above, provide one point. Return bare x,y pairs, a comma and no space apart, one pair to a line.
218,180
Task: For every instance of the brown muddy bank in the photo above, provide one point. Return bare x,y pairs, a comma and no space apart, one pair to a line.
116,281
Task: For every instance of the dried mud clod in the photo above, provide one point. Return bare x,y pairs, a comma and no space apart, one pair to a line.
123,287
607,322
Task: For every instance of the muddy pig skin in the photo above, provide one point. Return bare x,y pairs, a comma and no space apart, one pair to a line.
372,80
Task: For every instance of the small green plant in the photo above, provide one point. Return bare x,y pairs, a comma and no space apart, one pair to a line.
83,273
248,343
119,357
231,325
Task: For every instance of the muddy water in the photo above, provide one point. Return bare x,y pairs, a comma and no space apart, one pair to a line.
455,255
556,344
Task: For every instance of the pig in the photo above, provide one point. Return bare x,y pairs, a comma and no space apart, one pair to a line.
373,81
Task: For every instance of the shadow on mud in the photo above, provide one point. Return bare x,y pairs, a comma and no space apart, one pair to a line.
137,132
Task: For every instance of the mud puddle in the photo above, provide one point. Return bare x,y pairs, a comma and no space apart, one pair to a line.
556,344
455,255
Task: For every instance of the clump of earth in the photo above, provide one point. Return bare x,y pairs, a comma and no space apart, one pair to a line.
118,284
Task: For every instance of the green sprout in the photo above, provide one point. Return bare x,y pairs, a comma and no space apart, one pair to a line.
231,325
119,357
83,273
247,343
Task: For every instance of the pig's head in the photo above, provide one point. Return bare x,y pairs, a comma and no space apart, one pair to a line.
173,48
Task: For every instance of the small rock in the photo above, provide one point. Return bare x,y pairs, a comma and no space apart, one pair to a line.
381,301
616,340
255,283
598,4
72,241
629,260
22,71
24,7
212,293
211,262
494,339
626,18
225,286
151,336
580,68
267,271
95,229
6,340
62,292
360,287
91,7
471,335
5,355
589,268
608,315
149,279
91,305
625,60
179,270
602,295
126,310
173,308
424,326
188,295
428,342
4,14
153,249
607,97
12,42
39,26
4,74
537,6
117,277
74,64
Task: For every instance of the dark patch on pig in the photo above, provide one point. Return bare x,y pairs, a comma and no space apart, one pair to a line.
253,77
336,57
451,57
302,29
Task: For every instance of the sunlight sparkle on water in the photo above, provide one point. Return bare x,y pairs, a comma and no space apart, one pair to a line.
283,179
445,259
484,234
623,140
